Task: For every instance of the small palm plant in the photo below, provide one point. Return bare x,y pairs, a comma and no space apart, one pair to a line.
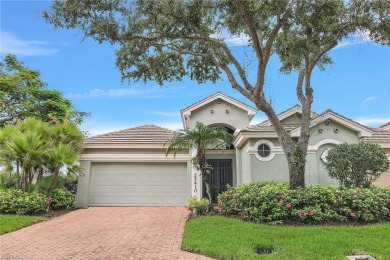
200,138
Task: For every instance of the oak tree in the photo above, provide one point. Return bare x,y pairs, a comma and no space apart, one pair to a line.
167,40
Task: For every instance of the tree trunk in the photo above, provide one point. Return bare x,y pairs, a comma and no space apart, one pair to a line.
208,191
40,175
55,179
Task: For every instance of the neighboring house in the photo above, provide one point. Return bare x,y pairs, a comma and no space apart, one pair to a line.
129,167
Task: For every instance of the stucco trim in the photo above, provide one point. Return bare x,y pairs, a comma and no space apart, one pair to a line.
242,137
274,150
134,158
322,142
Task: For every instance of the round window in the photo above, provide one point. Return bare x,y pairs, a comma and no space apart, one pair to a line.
264,150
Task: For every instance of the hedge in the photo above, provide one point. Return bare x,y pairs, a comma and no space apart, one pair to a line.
275,202
15,201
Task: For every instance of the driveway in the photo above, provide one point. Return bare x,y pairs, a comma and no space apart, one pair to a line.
102,233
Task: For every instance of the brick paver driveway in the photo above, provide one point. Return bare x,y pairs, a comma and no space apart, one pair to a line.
102,233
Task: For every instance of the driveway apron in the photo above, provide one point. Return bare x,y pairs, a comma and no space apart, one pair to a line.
102,233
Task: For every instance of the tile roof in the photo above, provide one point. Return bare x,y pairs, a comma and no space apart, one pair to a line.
345,118
145,134
378,136
385,125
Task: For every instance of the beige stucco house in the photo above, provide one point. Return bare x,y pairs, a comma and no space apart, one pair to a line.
130,168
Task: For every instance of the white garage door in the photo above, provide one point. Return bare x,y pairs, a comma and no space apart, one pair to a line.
138,184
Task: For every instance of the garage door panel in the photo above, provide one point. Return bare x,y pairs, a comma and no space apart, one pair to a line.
138,184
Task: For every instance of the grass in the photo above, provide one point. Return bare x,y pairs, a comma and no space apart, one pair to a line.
227,238
10,223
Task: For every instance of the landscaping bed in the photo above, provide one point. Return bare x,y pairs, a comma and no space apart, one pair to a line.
275,203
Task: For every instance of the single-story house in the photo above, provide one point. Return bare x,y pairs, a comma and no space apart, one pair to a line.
129,167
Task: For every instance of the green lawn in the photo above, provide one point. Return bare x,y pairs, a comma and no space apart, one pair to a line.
226,238
10,223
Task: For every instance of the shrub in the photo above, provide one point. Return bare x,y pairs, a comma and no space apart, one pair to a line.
356,165
62,199
69,182
199,206
14,201
275,202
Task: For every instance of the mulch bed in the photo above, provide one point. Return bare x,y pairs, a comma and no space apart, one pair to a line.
56,213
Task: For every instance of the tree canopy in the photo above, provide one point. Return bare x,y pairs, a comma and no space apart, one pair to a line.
167,40
23,94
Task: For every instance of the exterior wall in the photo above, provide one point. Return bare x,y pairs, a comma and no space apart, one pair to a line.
246,176
292,120
236,118
343,135
323,176
83,185
276,169
384,179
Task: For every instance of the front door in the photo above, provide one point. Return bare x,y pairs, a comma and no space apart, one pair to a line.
219,177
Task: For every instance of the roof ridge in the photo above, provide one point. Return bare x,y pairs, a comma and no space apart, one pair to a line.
346,118
129,129
215,94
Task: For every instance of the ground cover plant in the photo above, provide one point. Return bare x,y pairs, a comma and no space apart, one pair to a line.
227,238
10,223
316,204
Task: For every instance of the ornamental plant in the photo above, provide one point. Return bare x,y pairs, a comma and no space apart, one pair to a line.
356,165
316,204
198,206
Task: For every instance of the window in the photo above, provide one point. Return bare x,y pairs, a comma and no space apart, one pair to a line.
264,150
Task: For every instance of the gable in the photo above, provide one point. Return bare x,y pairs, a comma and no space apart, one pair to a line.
218,109
330,116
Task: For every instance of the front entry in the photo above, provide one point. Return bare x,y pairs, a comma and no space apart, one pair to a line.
220,176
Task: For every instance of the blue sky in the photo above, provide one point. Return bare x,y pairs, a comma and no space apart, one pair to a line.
357,85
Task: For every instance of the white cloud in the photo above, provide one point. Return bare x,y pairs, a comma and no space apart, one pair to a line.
354,39
146,92
372,121
369,99
234,40
171,125
9,43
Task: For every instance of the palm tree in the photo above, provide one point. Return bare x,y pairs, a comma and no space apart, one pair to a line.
23,144
201,138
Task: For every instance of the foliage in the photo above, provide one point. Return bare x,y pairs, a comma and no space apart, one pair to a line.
62,199
275,202
23,94
200,138
38,147
356,165
15,201
227,238
199,206
69,182
169,40
10,223
9,180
